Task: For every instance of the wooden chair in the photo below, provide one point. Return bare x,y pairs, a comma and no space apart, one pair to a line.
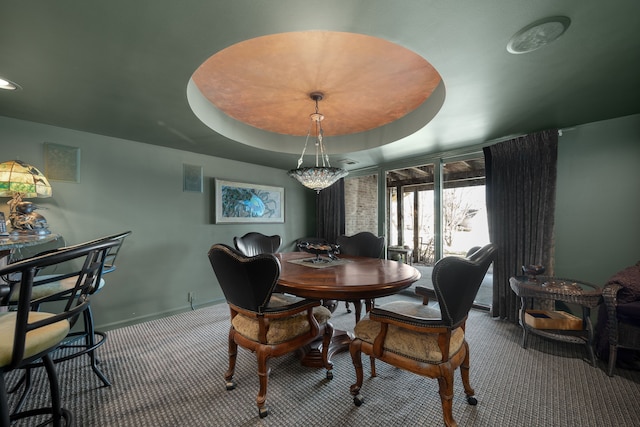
267,323
425,340
254,243
361,244
28,337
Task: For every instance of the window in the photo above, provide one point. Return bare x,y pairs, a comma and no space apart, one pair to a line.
438,209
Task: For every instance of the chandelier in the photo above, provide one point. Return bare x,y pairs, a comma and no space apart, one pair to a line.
318,177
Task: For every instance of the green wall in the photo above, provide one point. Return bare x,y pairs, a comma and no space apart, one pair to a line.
597,224
126,185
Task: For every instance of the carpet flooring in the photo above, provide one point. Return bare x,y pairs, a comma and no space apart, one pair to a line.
169,372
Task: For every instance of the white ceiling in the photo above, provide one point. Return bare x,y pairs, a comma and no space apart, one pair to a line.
121,68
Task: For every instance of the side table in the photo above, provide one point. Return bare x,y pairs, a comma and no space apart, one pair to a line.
557,289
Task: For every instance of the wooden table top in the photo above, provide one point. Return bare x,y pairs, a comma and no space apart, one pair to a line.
352,278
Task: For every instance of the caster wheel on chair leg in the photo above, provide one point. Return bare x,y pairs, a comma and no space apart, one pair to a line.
357,400
231,385
329,375
472,400
263,411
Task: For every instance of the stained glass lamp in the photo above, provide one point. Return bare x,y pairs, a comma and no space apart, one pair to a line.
19,181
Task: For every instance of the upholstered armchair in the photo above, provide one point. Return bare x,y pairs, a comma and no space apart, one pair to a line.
267,323
618,325
424,340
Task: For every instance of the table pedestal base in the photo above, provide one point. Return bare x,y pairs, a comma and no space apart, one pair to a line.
311,354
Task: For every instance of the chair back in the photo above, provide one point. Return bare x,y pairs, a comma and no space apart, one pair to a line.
112,254
456,282
362,244
84,262
110,260
246,281
254,243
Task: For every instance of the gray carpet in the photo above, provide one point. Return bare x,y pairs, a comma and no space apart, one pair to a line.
168,372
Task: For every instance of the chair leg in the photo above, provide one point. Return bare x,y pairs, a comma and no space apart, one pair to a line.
326,343
613,355
87,345
263,375
5,420
233,353
26,380
57,412
445,382
88,324
464,373
56,405
355,348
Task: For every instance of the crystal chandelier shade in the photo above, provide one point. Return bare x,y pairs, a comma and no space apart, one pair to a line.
317,177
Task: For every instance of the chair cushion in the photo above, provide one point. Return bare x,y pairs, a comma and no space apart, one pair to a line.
629,313
47,289
37,340
415,345
280,330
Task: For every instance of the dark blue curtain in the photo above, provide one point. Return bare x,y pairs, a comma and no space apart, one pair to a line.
330,209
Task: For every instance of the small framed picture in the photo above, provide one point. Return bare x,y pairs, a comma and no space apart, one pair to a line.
238,202
192,178
61,162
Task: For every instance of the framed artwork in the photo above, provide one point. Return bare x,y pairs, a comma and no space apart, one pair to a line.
238,202
192,178
61,162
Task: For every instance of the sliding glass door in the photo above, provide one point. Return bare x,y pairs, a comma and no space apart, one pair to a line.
438,209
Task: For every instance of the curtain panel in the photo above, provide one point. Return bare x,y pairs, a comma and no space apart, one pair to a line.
330,214
520,193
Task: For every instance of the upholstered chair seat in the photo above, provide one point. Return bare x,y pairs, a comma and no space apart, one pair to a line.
49,288
419,346
36,342
280,330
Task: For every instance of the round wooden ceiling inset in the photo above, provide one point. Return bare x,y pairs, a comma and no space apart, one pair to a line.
266,82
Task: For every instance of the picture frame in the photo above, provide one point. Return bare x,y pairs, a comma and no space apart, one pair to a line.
192,178
237,202
61,162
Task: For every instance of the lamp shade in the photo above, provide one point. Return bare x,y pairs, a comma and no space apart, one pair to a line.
17,177
317,178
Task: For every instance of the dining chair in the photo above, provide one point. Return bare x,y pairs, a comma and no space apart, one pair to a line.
81,341
28,336
265,322
254,243
425,340
364,244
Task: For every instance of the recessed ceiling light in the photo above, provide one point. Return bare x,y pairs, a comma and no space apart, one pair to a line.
538,34
8,85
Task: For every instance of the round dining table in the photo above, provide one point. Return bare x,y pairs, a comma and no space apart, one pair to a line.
347,278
